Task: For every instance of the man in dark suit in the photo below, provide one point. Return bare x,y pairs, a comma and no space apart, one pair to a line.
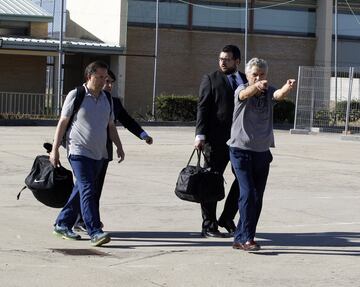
213,125
122,116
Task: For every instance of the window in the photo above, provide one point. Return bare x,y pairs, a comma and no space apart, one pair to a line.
171,13
348,25
284,21
221,17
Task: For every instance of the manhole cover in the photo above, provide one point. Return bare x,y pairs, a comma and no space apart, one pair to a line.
81,252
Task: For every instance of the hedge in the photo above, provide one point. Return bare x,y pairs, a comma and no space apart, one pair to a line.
183,108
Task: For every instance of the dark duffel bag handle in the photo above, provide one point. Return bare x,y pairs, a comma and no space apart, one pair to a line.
199,152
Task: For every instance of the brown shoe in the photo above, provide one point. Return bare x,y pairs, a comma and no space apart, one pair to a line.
248,246
237,245
251,246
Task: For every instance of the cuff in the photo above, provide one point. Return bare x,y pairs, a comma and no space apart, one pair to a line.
143,135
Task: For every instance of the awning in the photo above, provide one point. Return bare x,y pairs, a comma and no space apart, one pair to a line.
52,45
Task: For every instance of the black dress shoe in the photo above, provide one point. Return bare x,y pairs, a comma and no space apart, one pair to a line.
229,226
212,233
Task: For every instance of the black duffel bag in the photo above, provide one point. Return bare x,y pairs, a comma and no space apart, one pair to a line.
51,186
199,184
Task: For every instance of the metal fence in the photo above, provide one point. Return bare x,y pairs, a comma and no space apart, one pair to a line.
13,103
328,102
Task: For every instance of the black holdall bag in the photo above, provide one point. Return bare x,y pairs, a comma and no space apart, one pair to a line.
51,186
199,184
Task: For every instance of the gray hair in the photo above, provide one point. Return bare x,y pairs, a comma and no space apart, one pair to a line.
260,63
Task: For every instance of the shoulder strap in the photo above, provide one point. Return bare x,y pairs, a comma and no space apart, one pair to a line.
80,95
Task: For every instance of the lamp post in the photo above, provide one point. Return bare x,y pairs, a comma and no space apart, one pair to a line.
61,55
155,58
246,31
335,51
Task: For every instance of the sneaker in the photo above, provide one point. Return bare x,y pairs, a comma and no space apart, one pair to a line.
65,233
100,238
80,227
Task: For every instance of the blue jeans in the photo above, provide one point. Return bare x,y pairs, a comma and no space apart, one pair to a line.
251,169
84,195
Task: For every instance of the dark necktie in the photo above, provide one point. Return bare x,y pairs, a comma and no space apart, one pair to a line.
233,82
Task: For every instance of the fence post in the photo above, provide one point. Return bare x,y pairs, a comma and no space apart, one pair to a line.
351,77
312,100
297,97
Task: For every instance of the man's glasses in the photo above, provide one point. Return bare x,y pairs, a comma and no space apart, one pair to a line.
225,59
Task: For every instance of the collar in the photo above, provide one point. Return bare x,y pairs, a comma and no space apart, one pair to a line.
87,92
237,75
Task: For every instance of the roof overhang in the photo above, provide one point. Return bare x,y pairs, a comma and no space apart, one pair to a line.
52,45
26,18
23,10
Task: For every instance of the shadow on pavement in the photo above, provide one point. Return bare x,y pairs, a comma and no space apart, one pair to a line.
321,239
323,243
165,239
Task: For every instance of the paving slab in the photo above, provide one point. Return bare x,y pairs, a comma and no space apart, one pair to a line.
309,228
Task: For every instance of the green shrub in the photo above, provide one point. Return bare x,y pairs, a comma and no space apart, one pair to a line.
323,117
176,108
19,116
326,117
183,108
354,114
284,112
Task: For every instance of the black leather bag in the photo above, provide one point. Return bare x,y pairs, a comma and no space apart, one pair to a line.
199,184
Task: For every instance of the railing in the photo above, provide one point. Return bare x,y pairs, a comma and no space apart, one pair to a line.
328,103
26,104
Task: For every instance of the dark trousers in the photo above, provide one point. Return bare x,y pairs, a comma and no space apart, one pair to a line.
83,198
100,181
251,169
218,159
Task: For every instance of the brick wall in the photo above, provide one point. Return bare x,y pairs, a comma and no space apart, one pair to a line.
184,56
23,74
38,30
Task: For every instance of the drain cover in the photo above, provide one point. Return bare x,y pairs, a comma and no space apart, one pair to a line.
81,252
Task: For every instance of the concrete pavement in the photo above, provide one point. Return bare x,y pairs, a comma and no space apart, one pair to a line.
309,228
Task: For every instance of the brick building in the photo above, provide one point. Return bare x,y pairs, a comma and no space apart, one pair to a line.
297,33
288,34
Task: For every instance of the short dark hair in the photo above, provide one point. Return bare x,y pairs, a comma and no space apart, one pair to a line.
92,67
112,75
234,50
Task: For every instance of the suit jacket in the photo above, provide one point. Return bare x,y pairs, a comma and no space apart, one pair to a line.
215,108
125,119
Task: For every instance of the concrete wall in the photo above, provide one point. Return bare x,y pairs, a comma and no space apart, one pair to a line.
184,56
324,31
23,74
93,19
